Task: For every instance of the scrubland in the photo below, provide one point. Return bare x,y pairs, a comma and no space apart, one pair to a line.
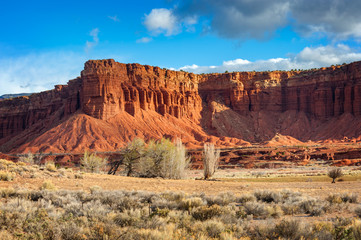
46,202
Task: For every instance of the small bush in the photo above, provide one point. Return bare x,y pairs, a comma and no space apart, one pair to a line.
50,166
93,163
335,173
204,212
28,158
213,228
47,185
7,176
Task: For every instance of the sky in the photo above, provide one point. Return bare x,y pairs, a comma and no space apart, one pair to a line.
44,43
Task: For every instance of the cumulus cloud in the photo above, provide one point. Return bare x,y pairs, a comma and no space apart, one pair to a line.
165,21
91,44
161,20
38,72
259,19
144,40
309,57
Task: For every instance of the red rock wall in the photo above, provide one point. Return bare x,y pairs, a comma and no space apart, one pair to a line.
19,113
107,88
110,88
321,94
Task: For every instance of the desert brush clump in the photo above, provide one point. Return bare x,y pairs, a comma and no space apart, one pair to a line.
93,163
101,214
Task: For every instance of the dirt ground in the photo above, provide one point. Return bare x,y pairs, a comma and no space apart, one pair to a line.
110,182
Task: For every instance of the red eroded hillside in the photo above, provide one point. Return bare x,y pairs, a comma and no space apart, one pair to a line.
111,103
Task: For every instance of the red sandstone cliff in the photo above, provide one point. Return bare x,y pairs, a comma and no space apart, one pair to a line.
111,103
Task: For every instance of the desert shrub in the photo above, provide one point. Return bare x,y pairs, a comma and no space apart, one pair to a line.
50,166
255,209
289,229
47,185
189,203
128,218
335,173
358,212
334,198
222,199
205,212
6,165
267,196
7,176
351,198
27,158
93,163
94,189
213,228
313,207
210,160
356,229
164,159
274,211
132,154
246,198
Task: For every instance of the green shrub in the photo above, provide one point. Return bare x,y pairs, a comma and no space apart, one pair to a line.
93,163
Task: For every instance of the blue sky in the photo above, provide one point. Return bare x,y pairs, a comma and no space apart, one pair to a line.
43,43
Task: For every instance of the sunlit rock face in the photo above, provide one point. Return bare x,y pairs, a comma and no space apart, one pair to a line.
133,100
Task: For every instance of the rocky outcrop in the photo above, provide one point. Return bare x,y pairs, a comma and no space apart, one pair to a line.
110,88
132,100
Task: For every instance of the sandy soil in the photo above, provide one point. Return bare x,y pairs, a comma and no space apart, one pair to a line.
109,182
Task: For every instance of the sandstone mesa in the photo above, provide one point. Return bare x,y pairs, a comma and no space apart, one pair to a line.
111,103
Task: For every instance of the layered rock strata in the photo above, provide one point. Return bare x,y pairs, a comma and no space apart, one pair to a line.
222,108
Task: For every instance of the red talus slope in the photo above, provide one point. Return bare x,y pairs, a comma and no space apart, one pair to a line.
111,103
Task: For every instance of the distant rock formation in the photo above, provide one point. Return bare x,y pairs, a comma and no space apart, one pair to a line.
111,103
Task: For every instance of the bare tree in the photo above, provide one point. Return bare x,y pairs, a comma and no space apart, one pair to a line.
210,160
334,174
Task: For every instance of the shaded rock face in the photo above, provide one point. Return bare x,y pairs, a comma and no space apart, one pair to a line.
219,108
17,114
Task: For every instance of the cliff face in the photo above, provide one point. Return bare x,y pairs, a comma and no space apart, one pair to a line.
133,100
110,88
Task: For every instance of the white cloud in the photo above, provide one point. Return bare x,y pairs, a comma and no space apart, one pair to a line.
91,44
144,40
161,20
114,18
309,57
38,72
164,21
